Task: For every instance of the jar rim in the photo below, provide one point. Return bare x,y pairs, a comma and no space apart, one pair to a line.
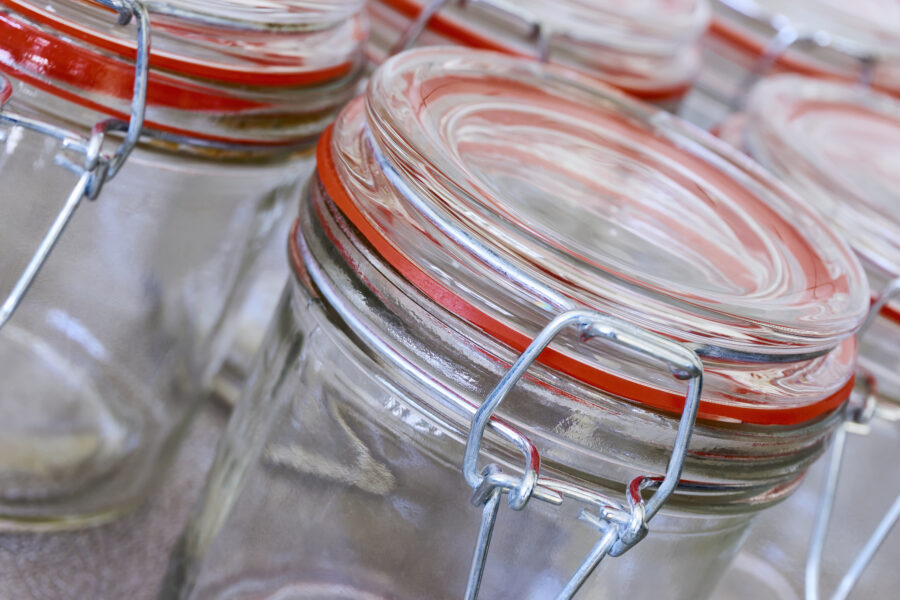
445,368
653,397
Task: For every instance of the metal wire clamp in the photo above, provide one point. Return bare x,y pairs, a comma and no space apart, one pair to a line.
96,168
858,413
621,525
537,31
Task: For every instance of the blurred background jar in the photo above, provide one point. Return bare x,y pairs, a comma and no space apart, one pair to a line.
446,227
647,48
100,363
837,145
828,39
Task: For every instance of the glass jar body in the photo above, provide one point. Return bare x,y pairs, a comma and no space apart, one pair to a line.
101,360
340,472
331,481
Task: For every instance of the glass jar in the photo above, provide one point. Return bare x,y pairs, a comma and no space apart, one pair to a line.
836,144
648,48
101,359
830,39
463,203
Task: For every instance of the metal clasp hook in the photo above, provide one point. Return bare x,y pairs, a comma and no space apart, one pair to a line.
621,526
537,31
854,414
96,168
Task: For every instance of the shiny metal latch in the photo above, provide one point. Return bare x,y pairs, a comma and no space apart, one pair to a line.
96,167
621,525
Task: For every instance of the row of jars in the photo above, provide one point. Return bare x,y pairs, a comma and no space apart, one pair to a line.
466,204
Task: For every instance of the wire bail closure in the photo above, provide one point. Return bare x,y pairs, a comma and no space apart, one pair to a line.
96,168
858,413
621,525
537,31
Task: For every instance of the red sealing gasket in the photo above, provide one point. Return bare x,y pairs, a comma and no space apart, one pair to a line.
888,311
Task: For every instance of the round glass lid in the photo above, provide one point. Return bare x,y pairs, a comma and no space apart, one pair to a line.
839,145
525,189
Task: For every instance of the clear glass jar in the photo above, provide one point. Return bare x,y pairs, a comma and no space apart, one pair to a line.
459,206
827,39
649,49
837,145
100,363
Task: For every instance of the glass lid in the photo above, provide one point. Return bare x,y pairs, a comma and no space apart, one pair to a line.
839,146
506,192
603,200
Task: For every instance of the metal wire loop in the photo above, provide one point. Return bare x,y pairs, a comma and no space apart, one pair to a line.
636,526
620,527
537,30
858,412
95,168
